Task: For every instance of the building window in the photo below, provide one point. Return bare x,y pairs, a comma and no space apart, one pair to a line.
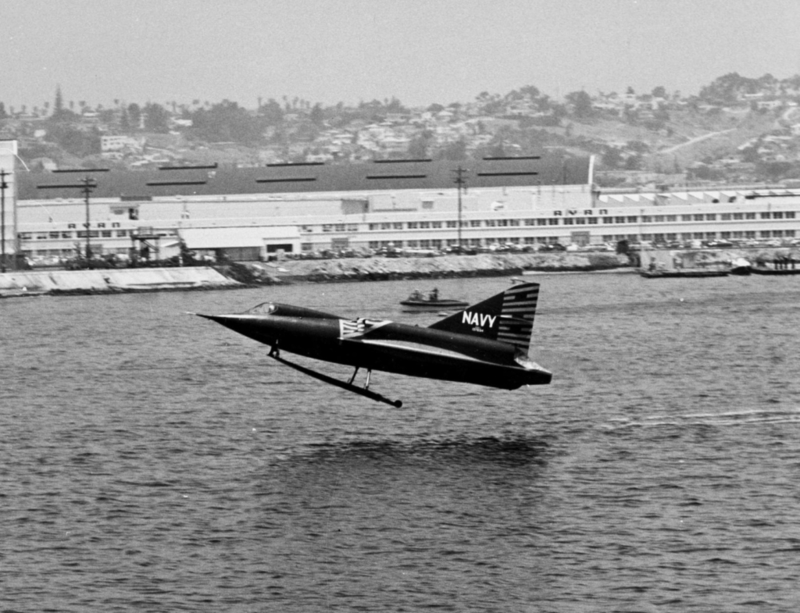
541,222
513,222
452,224
327,228
686,218
568,221
658,218
633,219
386,226
372,226
672,218
353,227
699,217
711,217
581,221
777,215
530,222
553,221
339,227
592,220
436,224
647,219
765,215
425,224
749,215
619,220
789,214
412,225
725,216
738,216
475,223
608,220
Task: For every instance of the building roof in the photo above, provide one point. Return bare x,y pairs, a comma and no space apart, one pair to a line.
547,169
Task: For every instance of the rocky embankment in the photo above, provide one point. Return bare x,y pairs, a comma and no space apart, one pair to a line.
382,268
483,265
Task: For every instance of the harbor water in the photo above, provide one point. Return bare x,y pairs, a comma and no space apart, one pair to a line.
155,461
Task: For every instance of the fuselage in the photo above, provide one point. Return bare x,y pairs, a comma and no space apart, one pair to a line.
389,347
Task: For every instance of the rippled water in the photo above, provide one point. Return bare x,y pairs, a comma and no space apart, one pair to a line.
156,461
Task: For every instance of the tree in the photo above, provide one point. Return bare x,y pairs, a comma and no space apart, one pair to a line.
58,105
317,116
3,114
418,148
227,121
135,115
612,158
659,92
455,151
581,104
156,118
124,120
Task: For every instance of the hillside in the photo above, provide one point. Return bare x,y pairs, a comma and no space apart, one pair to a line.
736,130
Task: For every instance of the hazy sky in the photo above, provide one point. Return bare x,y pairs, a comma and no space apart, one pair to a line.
420,51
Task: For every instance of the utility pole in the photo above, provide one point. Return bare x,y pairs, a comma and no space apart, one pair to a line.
86,185
461,182
3,186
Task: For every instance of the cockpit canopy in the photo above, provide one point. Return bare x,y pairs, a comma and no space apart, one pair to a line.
287,310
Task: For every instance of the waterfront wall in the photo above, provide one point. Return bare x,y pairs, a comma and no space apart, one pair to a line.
111,280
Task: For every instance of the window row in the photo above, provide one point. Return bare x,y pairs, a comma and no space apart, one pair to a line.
41,236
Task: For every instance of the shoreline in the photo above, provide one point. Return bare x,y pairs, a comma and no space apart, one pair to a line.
18,284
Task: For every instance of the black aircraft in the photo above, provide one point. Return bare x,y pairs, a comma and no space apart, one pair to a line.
485,344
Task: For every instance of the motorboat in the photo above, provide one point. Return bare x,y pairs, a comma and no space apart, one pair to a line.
417,301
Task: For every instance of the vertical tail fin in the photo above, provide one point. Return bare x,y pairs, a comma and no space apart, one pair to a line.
506,317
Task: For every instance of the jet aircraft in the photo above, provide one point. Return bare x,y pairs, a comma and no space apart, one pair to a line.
485,344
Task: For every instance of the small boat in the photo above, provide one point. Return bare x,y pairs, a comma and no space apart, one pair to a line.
417,302
741,267
673,265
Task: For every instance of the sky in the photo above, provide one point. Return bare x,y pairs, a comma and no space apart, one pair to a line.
419,51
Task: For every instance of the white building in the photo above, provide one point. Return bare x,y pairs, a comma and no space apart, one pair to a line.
406,204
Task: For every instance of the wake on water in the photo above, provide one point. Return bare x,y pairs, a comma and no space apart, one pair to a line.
729,418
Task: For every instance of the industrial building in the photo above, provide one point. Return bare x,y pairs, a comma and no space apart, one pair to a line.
250,213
